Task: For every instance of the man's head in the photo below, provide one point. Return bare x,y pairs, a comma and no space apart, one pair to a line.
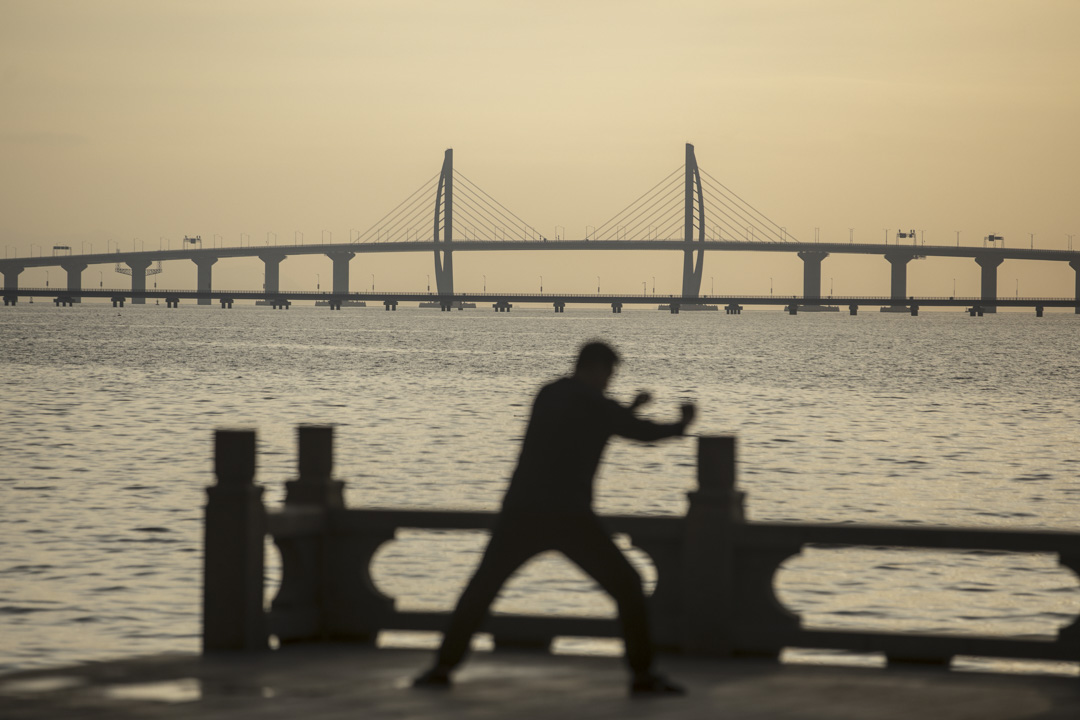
596,364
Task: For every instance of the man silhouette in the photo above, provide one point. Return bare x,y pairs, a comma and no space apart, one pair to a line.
548,506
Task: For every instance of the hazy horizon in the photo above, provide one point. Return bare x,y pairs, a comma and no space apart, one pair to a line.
129,120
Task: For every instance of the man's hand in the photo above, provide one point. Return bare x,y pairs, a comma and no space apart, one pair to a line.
688,411
643,398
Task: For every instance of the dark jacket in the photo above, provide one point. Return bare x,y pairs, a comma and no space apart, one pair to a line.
571,423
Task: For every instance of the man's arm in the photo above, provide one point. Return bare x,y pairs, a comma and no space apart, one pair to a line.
626,424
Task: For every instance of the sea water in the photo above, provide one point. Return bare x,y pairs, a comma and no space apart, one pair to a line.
941,419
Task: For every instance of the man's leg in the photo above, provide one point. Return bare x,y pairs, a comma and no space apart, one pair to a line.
587,543
510,546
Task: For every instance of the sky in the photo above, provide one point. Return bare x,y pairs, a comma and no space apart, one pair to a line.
134,124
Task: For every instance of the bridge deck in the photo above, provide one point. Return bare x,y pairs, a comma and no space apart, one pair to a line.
335,681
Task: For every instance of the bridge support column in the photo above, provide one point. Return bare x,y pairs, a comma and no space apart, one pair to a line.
138,279
898,277
853,309
205,277
74,272
341,270
11,277
1038,311
1074,264
560,307
272,277
811,276
989,267
616,307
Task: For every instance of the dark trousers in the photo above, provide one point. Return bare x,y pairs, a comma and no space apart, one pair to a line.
584,540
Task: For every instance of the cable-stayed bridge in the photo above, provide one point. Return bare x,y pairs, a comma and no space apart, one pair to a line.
689,211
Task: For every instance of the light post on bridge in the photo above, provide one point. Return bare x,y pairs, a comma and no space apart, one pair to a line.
46,278
372,283
770,286
654,285
318,282
644,287
295,233
957,238
597,284
712,285
1032,240
483,276
351,231
560,232
542,280
429,282
101,279
1070,237
886,236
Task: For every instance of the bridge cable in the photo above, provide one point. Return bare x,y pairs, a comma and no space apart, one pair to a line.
676,171
378,223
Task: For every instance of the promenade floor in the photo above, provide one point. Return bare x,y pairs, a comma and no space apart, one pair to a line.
338,681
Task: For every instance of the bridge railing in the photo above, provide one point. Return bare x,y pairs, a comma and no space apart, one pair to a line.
714,594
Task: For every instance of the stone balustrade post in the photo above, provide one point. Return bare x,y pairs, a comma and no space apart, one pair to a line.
707,572
233,613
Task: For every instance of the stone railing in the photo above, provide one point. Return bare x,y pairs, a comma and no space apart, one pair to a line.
714,594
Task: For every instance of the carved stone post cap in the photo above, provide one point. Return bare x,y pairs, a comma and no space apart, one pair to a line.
316,456
716,463
234,456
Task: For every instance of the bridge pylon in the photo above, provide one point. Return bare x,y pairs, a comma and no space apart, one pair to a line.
444,222
691,280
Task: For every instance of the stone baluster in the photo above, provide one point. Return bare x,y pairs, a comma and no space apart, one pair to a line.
233,616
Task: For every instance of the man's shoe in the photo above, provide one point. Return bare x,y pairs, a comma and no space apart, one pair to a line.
655,685
436,678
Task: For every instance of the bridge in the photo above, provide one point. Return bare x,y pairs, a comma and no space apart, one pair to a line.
688,212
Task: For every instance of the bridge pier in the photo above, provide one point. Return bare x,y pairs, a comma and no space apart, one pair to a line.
811,277
11,300
616,307
11,277
989,266
1038,311
853,309
205,278
390,305
281,303
171,301
560,307
64,301
914,310
272,281
898,278
1075,265
74,272
502,306
792,309
733,309
673,308
341,271
118,300
138,279
226,303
